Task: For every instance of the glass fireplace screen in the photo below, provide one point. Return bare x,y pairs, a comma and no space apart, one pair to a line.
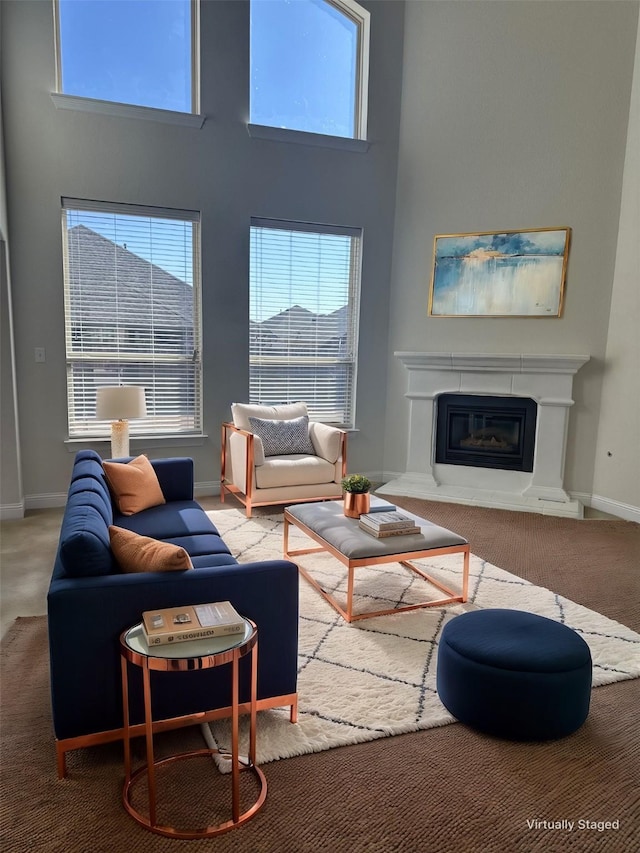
486,432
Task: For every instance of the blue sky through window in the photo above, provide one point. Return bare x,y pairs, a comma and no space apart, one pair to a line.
303,66
127,51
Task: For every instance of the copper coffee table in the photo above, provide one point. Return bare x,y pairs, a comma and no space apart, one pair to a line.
342,537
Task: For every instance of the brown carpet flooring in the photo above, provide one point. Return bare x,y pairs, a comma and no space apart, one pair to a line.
446,790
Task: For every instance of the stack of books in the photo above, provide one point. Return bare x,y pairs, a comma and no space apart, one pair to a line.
180,624
381,524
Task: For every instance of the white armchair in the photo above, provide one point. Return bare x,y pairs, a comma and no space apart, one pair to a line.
275,455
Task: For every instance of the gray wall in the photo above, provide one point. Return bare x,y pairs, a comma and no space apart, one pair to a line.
617,468
218,170
514,116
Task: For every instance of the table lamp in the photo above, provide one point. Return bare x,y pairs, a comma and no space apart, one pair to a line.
118,404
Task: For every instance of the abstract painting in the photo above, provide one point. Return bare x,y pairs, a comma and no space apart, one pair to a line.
499,274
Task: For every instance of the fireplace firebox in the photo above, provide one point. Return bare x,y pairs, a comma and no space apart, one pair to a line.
486,432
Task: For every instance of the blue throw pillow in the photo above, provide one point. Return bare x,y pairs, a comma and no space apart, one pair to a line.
280,438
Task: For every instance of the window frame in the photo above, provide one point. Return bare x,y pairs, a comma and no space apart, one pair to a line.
66,100
138,429
354,298
361,17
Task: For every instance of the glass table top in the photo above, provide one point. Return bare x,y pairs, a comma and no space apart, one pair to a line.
135,639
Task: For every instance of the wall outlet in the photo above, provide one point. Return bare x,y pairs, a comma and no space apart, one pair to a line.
40,354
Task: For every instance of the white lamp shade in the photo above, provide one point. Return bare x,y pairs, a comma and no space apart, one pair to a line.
121,402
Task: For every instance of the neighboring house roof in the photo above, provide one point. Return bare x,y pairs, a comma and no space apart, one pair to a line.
105,277
115,279
300,323
297,330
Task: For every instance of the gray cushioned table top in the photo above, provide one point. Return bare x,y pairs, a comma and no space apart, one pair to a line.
327,519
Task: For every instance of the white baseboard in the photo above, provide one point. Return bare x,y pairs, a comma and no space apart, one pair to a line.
205,489
48,501
628,512
617,508
11,512
59,499
390,475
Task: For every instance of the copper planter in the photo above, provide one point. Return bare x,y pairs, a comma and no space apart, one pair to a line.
355,504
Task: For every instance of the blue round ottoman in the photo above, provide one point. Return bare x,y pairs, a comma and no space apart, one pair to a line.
514,674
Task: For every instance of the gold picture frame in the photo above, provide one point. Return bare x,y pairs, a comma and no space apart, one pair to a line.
500,273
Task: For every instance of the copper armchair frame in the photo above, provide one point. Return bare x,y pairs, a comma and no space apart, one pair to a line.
247,498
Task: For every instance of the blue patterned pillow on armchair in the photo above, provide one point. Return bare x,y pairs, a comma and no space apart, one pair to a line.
280,438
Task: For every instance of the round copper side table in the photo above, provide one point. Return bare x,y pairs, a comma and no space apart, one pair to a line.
183,657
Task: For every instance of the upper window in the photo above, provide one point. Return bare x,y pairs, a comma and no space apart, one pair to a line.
304,304
139,52
132,317
309,66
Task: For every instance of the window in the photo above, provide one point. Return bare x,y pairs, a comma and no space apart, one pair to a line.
132,313
304,306
140,52
309,66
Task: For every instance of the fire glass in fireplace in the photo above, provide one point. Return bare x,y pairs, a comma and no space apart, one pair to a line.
486,432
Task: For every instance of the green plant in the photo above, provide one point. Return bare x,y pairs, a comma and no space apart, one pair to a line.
356,483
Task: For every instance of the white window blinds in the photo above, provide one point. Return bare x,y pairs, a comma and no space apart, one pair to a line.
132,313
304,307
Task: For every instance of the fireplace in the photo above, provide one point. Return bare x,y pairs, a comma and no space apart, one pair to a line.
535,483
484,431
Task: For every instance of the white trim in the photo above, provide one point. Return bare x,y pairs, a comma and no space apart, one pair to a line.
363,77
419,485
125,209
492,362
617,508
195,58
52,500
74,445
55,500
57,45
113,108
207,489
611,507
12,512
362,18
303,137
306,227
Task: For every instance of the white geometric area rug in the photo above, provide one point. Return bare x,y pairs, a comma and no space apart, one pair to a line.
377,677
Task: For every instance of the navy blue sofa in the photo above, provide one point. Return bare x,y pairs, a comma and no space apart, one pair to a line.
90,602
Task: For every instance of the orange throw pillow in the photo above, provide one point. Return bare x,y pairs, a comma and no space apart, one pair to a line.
136,553
134,485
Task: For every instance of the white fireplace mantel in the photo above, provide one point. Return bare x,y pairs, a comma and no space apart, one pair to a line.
547,379
492,363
